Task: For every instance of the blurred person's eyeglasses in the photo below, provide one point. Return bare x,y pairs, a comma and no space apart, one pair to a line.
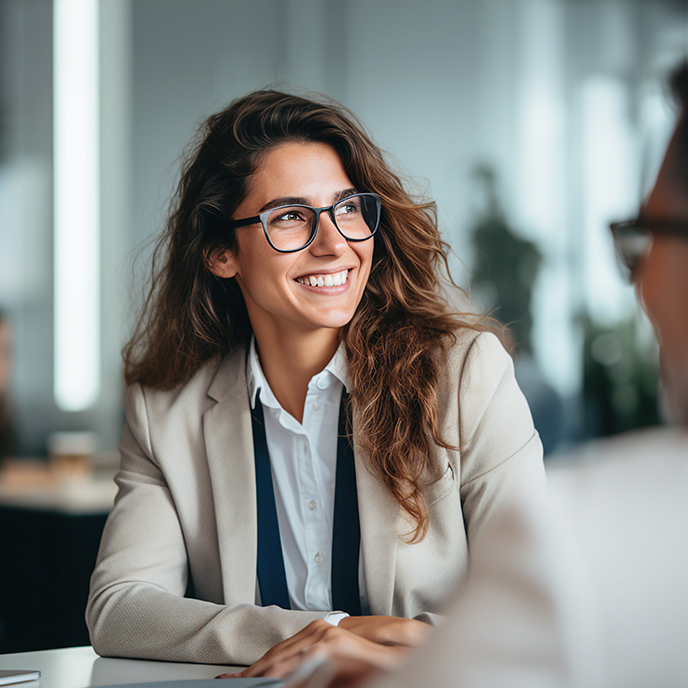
291,228
633,240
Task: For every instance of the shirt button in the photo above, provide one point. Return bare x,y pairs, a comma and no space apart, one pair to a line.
322,384
312,505
316,407
319,558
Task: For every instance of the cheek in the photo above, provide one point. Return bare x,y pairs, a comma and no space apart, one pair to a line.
648,288
663,289
652,281
258,264
365,255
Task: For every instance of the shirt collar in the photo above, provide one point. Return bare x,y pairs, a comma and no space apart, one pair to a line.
255,377
338,367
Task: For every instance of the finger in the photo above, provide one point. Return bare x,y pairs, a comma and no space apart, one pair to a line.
298,643
302,669
285,666
315,672
304,638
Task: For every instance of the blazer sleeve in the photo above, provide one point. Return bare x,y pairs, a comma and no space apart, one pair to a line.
136,606
501,452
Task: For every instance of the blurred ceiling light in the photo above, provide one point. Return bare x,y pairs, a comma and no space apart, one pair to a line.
76,203
609,183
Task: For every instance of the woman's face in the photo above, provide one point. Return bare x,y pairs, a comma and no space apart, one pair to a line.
272,283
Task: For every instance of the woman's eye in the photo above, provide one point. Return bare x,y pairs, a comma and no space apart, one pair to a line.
347,209
290,216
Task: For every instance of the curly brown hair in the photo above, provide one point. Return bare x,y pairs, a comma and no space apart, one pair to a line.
402,328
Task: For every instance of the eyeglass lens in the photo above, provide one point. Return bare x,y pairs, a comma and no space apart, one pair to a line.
290,228
632,246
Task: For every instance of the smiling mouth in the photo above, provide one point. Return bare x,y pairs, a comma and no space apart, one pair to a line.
334,279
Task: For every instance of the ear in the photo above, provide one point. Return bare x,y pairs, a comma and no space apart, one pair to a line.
222,263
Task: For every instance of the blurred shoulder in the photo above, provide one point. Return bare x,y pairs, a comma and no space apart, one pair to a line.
626,489
623,504
637,459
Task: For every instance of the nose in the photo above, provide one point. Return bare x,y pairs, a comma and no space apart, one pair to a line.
328,240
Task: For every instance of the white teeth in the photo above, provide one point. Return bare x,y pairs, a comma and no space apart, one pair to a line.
330,280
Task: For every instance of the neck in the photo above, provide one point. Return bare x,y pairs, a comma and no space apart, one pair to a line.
290,359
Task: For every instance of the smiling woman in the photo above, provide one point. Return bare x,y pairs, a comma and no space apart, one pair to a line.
313,435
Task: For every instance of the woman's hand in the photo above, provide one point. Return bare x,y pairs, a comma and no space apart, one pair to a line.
351,656
387,630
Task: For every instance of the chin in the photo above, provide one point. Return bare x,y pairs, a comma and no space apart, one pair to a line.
333,321
332,324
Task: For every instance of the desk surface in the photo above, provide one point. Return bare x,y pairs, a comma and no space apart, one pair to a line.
81,667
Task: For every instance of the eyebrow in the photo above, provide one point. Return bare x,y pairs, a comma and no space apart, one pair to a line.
300,200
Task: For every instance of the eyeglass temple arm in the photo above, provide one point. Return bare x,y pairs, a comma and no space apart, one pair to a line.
243,223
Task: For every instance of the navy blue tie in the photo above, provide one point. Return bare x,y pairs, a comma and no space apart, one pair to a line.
271,577
346,537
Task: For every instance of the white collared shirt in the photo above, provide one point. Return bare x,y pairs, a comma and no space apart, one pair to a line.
304,461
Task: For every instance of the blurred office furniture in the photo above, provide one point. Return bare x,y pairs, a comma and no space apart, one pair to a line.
504,276
80,667
506,265
51,521
620,378
6,424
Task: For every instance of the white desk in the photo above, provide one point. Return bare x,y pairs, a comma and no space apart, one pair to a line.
81,667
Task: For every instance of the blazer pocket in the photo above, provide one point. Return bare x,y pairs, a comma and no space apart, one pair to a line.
437,490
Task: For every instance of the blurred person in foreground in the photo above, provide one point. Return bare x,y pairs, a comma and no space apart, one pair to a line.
588,587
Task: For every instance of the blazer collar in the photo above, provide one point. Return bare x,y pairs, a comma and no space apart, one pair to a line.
230,376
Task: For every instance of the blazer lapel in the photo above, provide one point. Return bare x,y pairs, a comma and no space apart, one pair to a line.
380,519
229,448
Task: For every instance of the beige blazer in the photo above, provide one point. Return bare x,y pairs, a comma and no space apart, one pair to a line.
186,512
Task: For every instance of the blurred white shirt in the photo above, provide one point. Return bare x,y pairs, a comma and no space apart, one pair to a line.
587,588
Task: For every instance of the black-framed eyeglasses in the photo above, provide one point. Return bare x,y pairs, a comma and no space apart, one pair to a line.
291,228
633,240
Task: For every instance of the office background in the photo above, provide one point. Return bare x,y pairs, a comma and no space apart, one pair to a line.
532,123
561,99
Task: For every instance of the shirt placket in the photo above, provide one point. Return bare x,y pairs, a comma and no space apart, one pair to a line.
318,530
